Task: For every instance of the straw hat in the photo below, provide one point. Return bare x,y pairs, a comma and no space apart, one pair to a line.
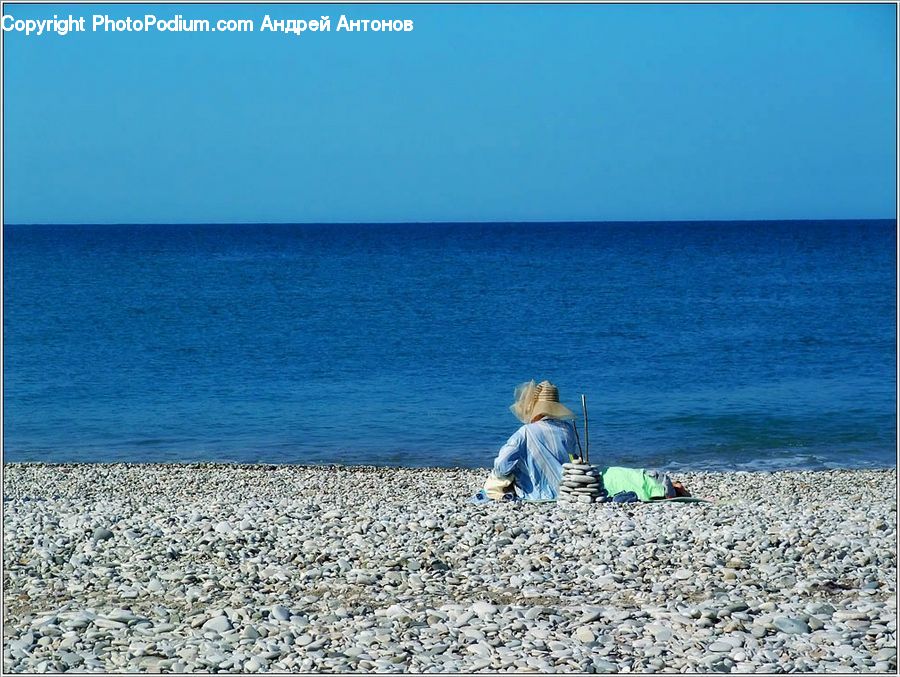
533,400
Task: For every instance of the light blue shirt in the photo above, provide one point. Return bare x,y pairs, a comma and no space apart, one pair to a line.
533,457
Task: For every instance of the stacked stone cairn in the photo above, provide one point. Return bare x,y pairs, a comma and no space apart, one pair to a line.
581,484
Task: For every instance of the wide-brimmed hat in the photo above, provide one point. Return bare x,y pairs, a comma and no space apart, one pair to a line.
535,399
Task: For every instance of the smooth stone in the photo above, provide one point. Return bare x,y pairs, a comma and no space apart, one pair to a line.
732,608
819,609
590,614
534,612
815,623
108,624
602,666
791,626
218,624
24,642
480,648
101,534
581,479
122,616
885,654
484,609
280,613
661,634
585,635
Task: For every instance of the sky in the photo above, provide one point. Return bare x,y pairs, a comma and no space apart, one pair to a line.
481,113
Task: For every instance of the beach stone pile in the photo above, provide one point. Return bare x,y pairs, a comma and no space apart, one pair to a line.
303,569
580,484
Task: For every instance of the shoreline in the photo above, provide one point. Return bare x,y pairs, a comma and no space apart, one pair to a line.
256,567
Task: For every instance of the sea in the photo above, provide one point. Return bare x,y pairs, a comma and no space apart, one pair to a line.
697,345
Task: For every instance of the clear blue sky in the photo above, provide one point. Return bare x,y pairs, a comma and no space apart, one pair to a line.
483,113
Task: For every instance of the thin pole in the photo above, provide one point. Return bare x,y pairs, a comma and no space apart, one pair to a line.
587,440
578,442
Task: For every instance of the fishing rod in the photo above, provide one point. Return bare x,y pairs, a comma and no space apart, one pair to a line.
578,442
587,440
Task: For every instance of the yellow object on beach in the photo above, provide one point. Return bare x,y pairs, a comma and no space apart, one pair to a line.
494,487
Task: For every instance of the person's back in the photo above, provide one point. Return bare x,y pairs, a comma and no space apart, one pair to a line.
532,458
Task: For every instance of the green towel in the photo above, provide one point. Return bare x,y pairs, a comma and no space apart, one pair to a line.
616,479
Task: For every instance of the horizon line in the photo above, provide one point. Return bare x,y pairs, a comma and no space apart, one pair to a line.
427,223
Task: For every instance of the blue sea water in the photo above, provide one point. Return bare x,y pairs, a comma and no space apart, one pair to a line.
698,345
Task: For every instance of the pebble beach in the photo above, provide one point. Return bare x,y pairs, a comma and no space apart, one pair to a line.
256,568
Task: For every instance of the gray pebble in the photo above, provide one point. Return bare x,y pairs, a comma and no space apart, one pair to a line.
101,534
791,626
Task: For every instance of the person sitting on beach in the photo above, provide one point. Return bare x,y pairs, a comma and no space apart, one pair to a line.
529,465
